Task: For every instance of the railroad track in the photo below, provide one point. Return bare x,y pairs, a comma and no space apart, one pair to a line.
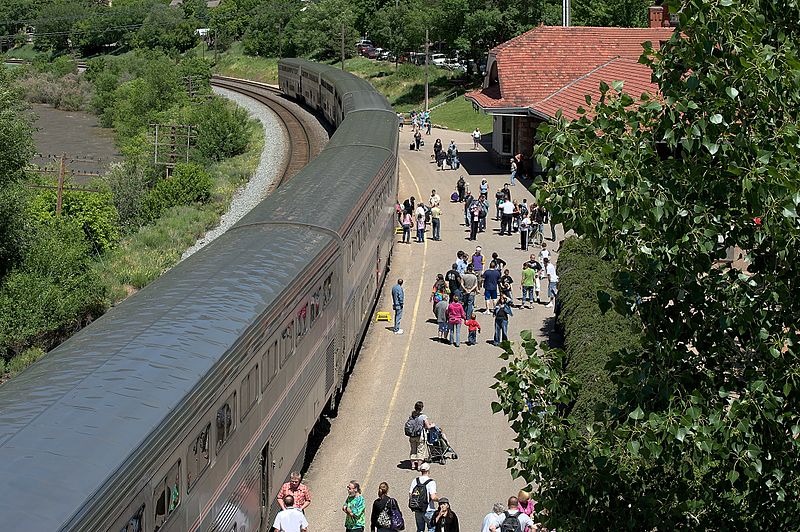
301,146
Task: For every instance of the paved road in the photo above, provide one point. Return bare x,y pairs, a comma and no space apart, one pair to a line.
366,441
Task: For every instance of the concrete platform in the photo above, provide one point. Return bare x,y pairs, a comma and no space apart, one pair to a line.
366,441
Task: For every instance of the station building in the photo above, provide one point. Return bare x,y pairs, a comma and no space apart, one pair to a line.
547,69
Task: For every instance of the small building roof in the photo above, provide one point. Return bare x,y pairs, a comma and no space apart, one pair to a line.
550,68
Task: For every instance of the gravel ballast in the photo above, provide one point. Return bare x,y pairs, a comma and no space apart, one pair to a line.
273,160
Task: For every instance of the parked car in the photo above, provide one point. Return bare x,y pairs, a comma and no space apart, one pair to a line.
363,43
455,64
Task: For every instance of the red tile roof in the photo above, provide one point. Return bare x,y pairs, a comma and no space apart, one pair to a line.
551,68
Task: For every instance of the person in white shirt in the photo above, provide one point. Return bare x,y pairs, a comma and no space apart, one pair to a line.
552,278
507,210
525,522
291,519
423,519
434,200
494,518
544,253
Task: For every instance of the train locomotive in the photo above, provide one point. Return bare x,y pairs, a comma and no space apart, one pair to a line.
186,406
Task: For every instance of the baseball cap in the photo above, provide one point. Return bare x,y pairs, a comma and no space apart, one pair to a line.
424,466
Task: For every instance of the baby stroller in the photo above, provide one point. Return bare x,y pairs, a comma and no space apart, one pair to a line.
439,448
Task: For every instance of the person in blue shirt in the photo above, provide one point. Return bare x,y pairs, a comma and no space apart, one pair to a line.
398,298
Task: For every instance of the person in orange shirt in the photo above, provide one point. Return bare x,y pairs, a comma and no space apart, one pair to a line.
474,328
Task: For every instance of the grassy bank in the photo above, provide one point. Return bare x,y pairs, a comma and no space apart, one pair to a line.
145,255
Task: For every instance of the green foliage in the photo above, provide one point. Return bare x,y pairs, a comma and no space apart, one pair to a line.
52,292
319,31
222,130
20,362
16,149
94,212
166,28
129,186
593,333
705,433
189,184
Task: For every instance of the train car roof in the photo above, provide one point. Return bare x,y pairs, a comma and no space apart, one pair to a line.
70,421
370,127
347,170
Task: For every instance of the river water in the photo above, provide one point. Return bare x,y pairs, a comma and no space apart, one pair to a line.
89,147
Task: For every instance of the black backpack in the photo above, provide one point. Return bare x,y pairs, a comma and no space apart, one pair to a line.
510,524
413,428
418,498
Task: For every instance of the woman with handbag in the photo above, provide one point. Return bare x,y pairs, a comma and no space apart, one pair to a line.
386,515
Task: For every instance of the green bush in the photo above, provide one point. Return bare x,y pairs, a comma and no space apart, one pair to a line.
593,333
222,130
52,292
189,184
93,211
129,186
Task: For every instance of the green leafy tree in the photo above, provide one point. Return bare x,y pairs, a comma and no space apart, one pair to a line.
166,28
703,433
16,149
319,33
267,33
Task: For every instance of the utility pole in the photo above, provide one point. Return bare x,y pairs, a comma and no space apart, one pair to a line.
343,46
60,193
426,69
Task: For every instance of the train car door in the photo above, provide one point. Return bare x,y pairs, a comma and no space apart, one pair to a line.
266,493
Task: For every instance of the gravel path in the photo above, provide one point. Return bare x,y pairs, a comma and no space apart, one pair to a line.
276,148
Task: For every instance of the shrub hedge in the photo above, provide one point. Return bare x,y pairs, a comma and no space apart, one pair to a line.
592,332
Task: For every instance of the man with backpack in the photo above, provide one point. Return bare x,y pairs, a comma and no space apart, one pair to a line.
422,497
415,428
513,520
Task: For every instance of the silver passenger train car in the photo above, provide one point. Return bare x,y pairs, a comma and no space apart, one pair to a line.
185,407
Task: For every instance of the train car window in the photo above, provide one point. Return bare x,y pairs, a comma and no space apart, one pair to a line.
167,496
269,365
327,290
249,391
315,302
134,524
287,342
224,421
199,456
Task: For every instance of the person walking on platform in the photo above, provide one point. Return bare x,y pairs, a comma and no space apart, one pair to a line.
415,429
455,317
422,498
290,519
355,508
382,509
398,299
299,492
502,311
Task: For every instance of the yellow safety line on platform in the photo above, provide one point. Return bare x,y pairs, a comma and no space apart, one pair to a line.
408,347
